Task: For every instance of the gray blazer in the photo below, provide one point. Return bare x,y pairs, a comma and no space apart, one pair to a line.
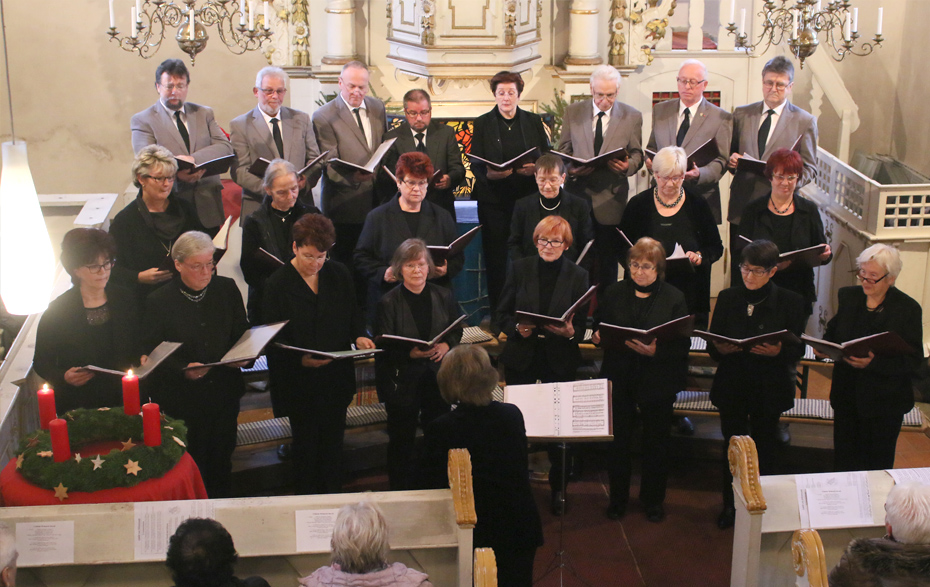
344,201
793,122
252,140
208,141
604,189
710,122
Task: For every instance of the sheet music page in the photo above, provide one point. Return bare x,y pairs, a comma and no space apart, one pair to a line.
536,403
583,408
252,342
840,500
921,475
315,529
157,521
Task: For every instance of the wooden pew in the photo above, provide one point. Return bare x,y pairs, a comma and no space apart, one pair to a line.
810,563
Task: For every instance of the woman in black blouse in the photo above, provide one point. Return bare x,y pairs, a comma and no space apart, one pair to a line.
752,388
204,312
870,394
789,221
269,228
316,295
93,323
407,375
672,216
500,135
644,376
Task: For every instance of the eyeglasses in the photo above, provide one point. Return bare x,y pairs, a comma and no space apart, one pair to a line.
634,266
548,180
869,280
611,96
271,91
173,87
414,114
97,269
316,258
757,271
778,85
416,184
198,267
544,242
788,178
671,178
691,83
422,266
164,179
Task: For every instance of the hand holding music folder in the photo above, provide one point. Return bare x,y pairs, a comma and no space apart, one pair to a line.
347,168
542,320
441,253
249,346
600,161
615,337
757,166
260,166
159,354
211,167
333,355
417,342
746,344
886,343
528,156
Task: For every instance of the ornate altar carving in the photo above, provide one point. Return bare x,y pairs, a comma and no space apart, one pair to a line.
648,22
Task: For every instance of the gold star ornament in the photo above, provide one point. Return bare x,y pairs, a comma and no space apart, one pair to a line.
61,492
98,462
128,445
44,453
132,468
19,461
179,441
78,457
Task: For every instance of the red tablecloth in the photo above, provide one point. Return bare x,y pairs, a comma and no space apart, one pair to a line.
181,482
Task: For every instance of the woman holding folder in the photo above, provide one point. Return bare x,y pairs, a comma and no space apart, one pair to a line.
644,376
406,373
316,295
752,388
204,312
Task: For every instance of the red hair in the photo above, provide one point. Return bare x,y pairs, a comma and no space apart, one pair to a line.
414,164
787,160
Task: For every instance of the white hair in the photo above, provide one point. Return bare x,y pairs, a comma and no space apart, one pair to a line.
7,546
885,255
907,511
606,72
191,244
695,62
670,161
272,71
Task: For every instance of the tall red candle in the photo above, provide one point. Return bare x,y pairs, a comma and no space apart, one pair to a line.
151,424
131,402
46,406
61,446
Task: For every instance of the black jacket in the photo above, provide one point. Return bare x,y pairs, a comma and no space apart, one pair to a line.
884,387
527,213
486,143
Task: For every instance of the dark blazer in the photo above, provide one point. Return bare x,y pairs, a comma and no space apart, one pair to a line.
443,151
495,437
397,373
645,378
637,223
138,247
744,380
884,387
486,143
521,292
258,232
806,231
527,213
327,321
64,340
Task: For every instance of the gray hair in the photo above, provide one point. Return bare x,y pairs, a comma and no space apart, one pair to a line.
695,62
885,255
670,161
410,250
907,511
354,64
360,539
150,157
606,72
779,64
271,70
191,244
7,546
466,376
276,169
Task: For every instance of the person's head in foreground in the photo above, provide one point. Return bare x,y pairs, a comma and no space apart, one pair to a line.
7,556
466,376
201,554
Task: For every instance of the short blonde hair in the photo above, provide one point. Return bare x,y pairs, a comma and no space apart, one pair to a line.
670,161
151,157
360,539
410,250
191,244
466,376
886,256
554,225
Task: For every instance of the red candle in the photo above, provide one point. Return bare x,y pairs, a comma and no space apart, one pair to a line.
61,447
131,394
151,424
46,406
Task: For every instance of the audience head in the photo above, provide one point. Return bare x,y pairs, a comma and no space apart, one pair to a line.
152,168
692,79
507,87
281,184
360,539
270,88
757,263
647,258
414,165
907,513
412,263
8,555
353,83
777,80
88,253
605,83
550,175
418,109
201,554
171,82
466,376
314,230
193,258
552,236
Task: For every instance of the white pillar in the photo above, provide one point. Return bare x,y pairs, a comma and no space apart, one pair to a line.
695,26
583,34
340,32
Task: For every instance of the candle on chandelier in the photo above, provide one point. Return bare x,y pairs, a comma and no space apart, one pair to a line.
878,30
855,24
112,16
61,447
151,424
131,394
267,15
251,16
846,30
242,13
139,10
192,25
132,21
46,406
742,21
732,11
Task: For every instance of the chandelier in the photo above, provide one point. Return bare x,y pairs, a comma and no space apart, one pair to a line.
801,21
150,19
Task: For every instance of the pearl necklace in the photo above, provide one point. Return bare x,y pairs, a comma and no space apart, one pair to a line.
775,208
681,194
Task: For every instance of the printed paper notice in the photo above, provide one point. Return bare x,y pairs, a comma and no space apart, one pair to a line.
315,529
45,543
921,476
834,500
157,521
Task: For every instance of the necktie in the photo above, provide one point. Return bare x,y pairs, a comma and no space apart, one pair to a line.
599,133
276,133
683,129
420,146
764,131
358,119
183,130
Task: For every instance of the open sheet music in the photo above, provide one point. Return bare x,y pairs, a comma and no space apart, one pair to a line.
746,344
221,241
441,253
542,319
249,346
261,164
615,337
346,167
211,167
599,161
885,343
159,354
579,410
267,258
701,156
528,156
394,338
335,355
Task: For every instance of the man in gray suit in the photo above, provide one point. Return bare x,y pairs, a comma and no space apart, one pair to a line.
592,128
272,131
688,122
437,140
759,130
350,126
190,132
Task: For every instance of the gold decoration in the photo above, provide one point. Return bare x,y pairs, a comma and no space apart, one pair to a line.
460,481
301,36
77,457
168,428
103,409
617,44
44,453
19,461
33,442
98,462
179,441
132,467
808,556
744,465
127,445
485,568
61,492
510,23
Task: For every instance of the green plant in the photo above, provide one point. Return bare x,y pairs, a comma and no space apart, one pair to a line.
556,112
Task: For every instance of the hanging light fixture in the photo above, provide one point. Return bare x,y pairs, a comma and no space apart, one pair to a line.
27,264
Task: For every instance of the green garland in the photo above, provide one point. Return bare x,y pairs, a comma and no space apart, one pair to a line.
90,426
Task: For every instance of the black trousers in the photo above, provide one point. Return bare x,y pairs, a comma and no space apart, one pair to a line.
402,420
607,246
514,566
654,416
495,229
318,428
762,426
863,443
211,440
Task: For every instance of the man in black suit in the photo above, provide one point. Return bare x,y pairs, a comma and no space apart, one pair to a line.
437,140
